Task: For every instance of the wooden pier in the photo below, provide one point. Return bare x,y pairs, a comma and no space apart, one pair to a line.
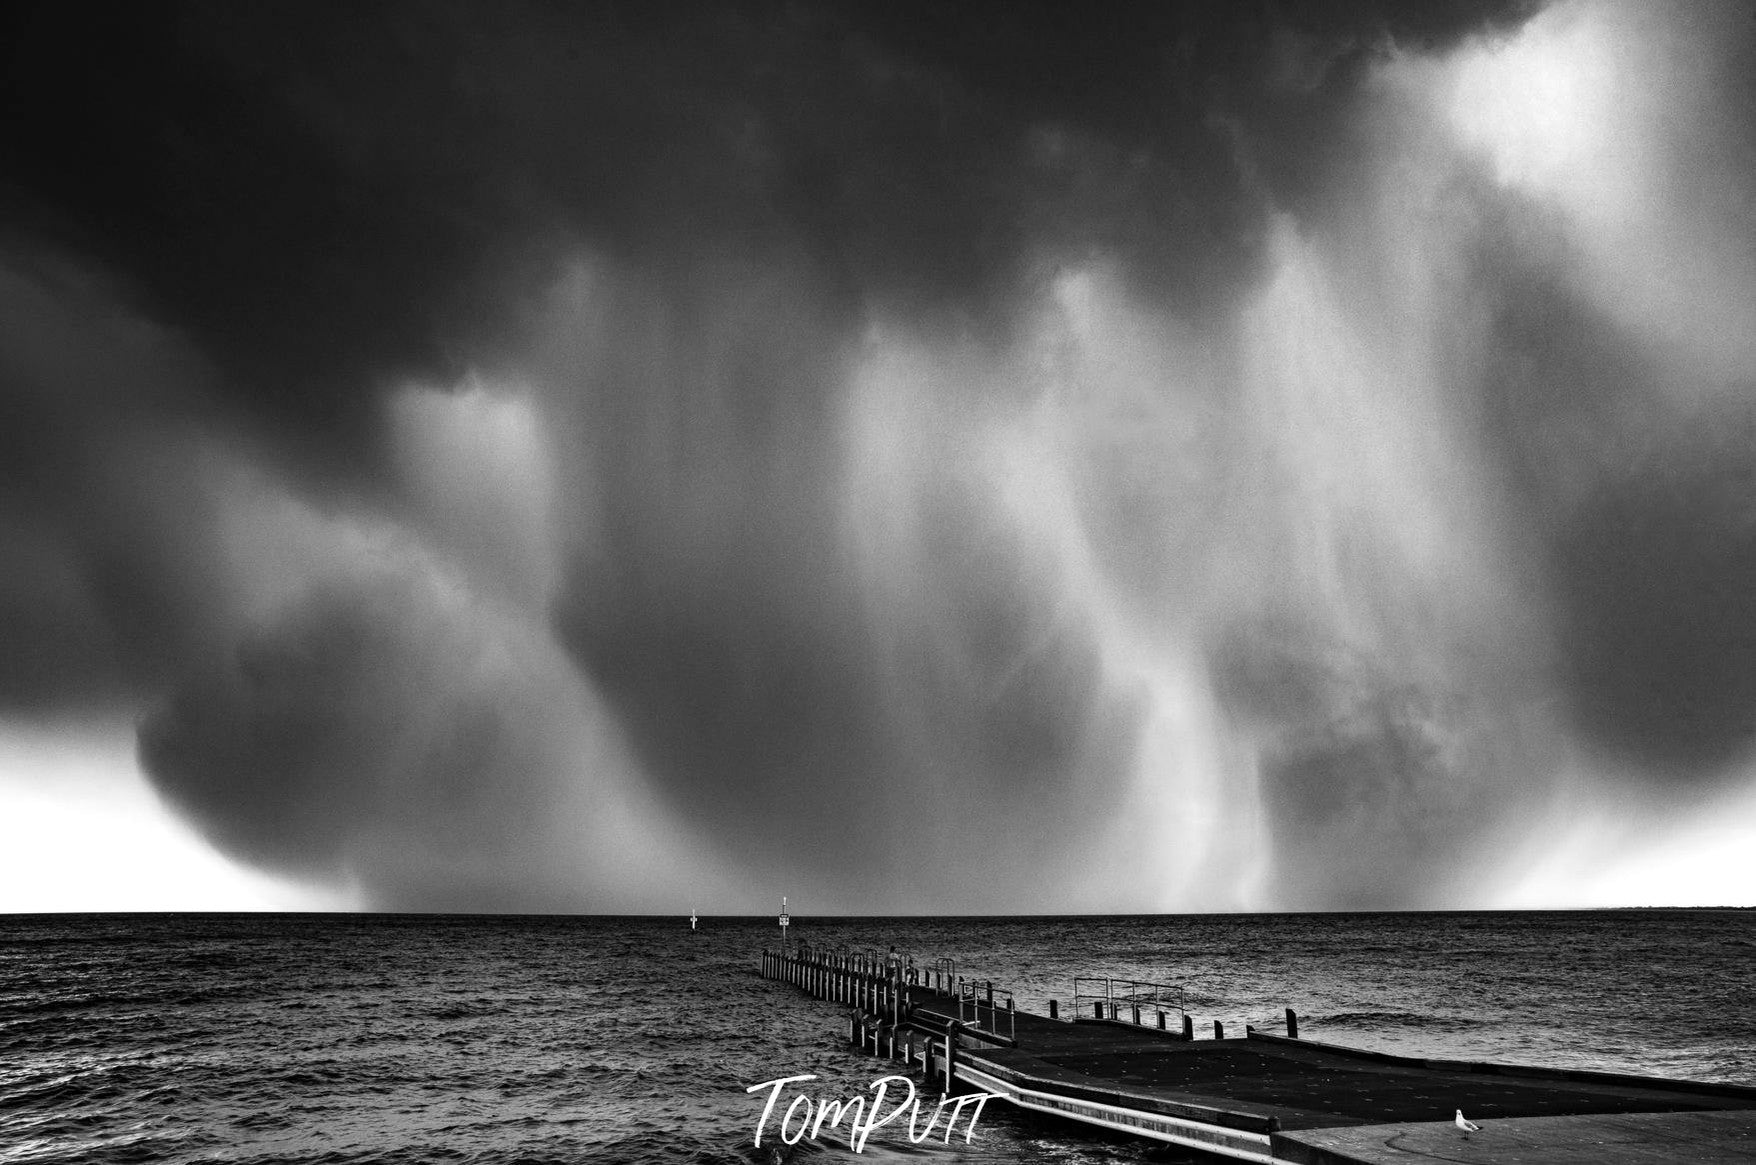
1260,1097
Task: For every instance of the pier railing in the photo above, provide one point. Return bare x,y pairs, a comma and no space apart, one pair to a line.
1128,1000
987,1008
867,980
884,991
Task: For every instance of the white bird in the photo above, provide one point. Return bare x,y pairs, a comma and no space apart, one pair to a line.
1467,1126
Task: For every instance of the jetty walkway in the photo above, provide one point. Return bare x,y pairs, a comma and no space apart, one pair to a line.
1127,1060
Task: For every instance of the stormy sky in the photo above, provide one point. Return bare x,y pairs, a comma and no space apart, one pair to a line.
912,457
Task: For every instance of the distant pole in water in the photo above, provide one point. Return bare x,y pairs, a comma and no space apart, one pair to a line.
691,918
784,922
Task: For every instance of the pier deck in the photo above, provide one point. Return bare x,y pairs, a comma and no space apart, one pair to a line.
1665,1138
1270,1098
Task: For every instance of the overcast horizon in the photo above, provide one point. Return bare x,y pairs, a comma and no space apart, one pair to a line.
917,459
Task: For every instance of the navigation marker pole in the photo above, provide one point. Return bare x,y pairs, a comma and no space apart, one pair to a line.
785,921
691,918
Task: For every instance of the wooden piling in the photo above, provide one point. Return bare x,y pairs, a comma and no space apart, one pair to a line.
1054,1009
1292,1024
951,1056
1188,1027
1219,1030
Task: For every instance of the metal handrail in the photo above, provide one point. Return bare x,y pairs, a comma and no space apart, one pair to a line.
970,995
1126,999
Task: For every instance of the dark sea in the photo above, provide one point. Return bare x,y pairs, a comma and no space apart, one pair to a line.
358,1038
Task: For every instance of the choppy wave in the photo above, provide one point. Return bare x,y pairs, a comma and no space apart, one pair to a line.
1379,1020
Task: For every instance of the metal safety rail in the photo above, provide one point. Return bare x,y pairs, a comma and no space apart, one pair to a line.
986,1008
1128,1000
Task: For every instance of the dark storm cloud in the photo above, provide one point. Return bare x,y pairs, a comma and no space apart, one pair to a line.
326,194
106,522
322,205
375,731
1637,482
1656,569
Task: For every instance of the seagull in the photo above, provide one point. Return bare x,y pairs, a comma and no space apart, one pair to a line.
1467,1126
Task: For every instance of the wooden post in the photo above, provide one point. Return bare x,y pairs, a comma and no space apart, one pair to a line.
951,1056
1219,1030
1161,1021
1292,1024
1098,1009
1188,1027
1054,1009
1137,1013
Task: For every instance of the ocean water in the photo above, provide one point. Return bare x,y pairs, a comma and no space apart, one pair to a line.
347,1038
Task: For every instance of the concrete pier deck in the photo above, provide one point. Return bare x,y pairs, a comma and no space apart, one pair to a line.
1270,1098
1702,1138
